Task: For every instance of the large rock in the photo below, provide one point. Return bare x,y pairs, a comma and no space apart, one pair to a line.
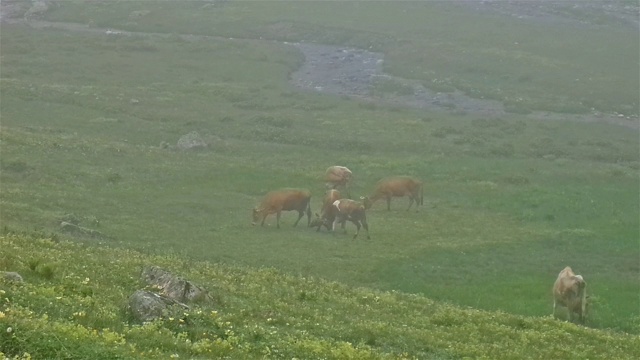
190,141
174,287
147,306
174,291
11,276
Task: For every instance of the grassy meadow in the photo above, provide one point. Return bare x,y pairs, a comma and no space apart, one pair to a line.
72,306
90,122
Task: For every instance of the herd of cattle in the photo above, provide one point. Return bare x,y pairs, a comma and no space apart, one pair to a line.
569,290
337,209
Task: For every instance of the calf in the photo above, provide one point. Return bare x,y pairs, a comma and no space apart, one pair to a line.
396,186
354,211
284,200
570,291
327,212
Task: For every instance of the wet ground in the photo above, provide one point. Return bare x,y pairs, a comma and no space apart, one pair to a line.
352,72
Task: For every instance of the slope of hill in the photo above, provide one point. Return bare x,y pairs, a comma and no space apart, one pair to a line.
99,99
71,306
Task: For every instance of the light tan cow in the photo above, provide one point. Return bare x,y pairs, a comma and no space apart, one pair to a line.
277,201
354,211
396,186
338,177
570,291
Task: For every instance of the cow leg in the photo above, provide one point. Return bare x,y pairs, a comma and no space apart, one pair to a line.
333,227
554,309
278,219
410,202
264,217
357,224
388,203
366,227
300,215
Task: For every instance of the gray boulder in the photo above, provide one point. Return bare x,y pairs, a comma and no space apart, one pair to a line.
174,287
173,291
190,141
147,306
11,276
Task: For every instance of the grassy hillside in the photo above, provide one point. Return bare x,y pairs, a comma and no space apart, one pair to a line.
90,124
72,306
530,64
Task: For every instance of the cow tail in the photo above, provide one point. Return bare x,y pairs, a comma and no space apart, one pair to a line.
421,194
309,212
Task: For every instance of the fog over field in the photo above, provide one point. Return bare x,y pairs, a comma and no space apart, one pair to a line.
145,133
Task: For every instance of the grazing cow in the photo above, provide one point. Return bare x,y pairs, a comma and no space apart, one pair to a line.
570,291
397,186
354,211
338,176
284,200
327,212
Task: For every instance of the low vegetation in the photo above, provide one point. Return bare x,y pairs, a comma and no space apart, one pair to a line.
78,311
96,182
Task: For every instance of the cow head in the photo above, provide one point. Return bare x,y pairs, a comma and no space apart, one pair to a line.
255,216
366,202
317,221
579,288
578,283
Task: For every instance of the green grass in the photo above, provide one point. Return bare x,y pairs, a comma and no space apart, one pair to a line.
79,312
88,134
530,65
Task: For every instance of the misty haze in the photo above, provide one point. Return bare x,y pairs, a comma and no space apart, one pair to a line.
319,179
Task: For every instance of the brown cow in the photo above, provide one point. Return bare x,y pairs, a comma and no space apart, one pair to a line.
354,211
338,176
397,186
327,212
284,200
570,291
